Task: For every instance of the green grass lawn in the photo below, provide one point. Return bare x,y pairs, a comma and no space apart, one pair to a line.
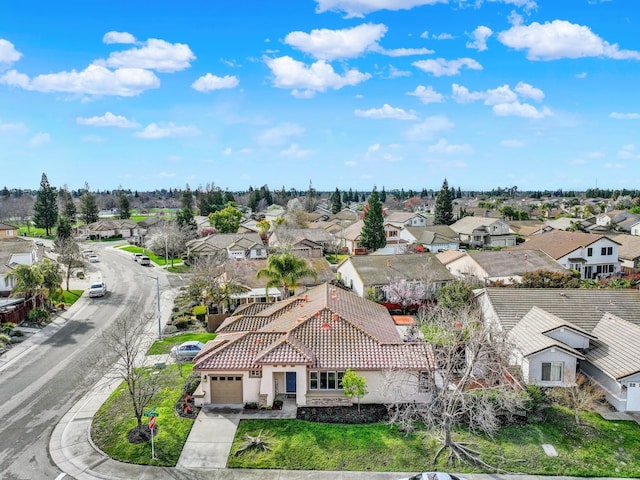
179,269
597,448
164,346
115,418
335,258
66,297
158,260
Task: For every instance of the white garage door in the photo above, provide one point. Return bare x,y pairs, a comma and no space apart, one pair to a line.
633,397
226,389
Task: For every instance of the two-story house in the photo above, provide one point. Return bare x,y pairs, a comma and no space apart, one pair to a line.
480,232
594,256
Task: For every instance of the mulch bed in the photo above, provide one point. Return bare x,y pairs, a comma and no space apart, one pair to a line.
369,413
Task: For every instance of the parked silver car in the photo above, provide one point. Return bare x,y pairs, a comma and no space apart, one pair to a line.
187,350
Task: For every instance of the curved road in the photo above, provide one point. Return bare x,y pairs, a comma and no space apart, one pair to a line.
39,388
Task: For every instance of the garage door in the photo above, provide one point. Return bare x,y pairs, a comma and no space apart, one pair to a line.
226,389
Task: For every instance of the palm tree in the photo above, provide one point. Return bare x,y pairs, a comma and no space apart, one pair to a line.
51,278
285,270
26,280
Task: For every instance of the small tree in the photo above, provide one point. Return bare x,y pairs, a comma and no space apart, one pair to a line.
63,228
455,296
126,341
582,396
69,256
226,220
26,280
406,293
51,278
285,270
354,385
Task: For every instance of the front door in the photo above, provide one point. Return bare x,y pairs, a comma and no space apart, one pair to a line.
290,382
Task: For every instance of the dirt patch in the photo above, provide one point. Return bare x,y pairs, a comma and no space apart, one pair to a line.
369,413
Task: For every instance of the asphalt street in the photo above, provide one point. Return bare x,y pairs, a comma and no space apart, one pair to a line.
43,384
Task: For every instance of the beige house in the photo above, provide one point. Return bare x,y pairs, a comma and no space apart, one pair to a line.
480,232
301,348
8,231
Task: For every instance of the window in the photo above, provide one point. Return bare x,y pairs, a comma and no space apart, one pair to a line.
552,371
589,252
325,380
255,374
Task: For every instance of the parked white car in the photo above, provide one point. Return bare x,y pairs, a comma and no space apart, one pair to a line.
97,289
93,258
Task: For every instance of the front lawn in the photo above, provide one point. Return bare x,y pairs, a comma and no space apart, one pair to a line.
160,347
597,448
115,418
66,297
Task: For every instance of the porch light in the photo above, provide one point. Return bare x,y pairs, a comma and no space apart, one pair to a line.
205,379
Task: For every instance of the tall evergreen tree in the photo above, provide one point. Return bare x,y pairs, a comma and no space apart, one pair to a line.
383,195
372,236
88,206
63,228
336,202
45,210
444,206
123,204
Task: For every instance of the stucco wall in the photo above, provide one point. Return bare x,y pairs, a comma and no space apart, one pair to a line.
534,375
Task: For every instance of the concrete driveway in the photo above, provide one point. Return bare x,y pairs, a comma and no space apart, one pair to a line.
210,439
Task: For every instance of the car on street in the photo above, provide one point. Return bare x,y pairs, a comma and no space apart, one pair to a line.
187,350
93,258
433,476
97,289
144,260
137,257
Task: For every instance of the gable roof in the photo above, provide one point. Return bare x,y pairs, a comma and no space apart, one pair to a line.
616,350
222,241
433,234
467,225
352,232
558,243
449,256
581,307
6,226
629,246
505,263
529,334
323,328
385,269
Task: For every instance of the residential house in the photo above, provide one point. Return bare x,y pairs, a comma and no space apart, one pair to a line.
361,273
305,242
480,232
528,228
110,227
239,246
634,229
628,252
349,238
408,219
14,252
594,256
302,347
501,266
8,231
569,223
557,332
433,238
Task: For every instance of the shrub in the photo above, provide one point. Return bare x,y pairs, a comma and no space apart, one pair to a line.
182,323
199,310
4,339
170,329
38,315
7,327
190,384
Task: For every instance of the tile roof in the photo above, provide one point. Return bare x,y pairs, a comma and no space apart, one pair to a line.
323,328
529,333
449,256
582,307
558,243
616,350
505,263
467,225
385,269
629,245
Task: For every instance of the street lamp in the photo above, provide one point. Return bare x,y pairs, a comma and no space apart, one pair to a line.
157,279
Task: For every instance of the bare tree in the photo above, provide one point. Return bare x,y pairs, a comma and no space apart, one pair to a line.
581,396
126,341
468,382
406,294
69,256
170,240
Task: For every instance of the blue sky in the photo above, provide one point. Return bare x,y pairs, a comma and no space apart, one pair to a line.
541,94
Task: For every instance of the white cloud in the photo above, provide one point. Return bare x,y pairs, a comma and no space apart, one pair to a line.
498,95
404,52
108,120
359,8
13,128
581,75
294,151
425,34
443,147
443,36
39,139
318,77
118,37
512,143
427,94
518,109
280,134
480,36
155,54
395,73
8,53
441,66
463,95
561,39
325,44
528,91
154,131
166,174
387,111
210,82
429,128
624,116
94,80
